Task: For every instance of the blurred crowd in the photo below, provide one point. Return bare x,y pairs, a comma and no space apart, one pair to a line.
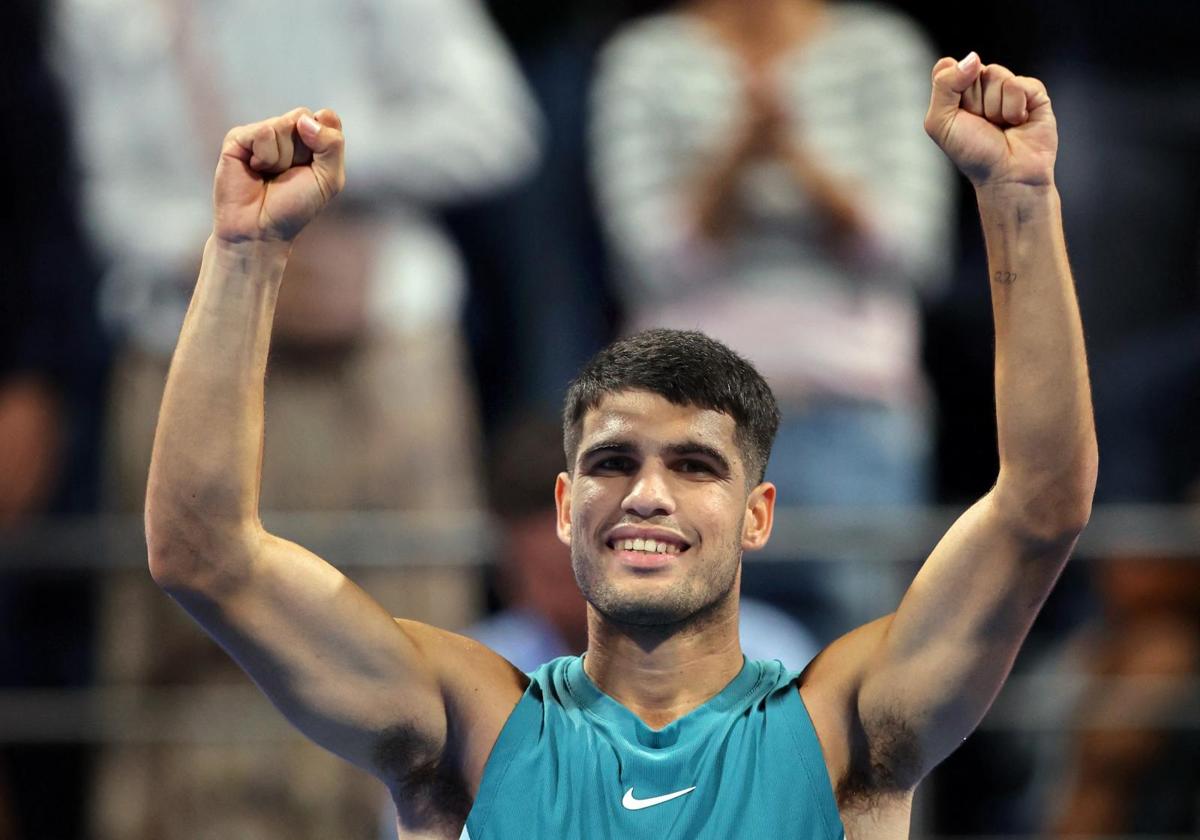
527,180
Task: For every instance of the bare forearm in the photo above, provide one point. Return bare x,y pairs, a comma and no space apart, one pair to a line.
1047,439
204,474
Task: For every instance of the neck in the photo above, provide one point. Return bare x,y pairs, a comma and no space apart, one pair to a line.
757,14
662,673
760,30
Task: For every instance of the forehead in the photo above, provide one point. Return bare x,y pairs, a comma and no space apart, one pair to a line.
644,418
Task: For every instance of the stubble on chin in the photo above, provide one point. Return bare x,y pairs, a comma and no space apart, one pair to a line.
687,600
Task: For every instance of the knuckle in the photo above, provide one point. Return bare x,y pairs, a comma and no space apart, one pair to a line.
235,137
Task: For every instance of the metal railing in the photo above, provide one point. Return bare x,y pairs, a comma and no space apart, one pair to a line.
200,715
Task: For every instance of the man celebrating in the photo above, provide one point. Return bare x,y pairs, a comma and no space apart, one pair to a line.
663,728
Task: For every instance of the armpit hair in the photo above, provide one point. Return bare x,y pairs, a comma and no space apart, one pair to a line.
429,792
885,762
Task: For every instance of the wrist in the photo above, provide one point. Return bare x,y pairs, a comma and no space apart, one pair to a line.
1021,202
1014,191
244,254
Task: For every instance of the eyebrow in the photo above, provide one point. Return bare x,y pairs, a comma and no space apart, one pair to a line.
696,448
690,447
614,447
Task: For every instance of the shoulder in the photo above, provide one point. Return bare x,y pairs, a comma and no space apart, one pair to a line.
878,30
647,32
650,44
460,661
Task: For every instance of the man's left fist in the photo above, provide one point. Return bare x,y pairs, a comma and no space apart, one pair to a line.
997,127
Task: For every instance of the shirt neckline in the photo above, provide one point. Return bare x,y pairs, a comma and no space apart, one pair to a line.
600,705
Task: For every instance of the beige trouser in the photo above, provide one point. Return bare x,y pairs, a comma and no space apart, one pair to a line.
389,425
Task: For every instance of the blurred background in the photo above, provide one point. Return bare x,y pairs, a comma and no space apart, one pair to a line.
527,180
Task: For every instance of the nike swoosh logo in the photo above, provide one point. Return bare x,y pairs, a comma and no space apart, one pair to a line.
632,804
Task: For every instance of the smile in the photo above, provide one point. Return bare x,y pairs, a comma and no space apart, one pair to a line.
646,546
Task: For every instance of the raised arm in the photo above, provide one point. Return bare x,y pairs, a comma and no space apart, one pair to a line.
901,693
371,689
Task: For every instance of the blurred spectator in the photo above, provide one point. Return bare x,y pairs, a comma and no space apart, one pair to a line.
1132,764
52,362
436,113
367,401
765,177
52,355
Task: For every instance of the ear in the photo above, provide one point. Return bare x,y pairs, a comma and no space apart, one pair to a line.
760,516
562,502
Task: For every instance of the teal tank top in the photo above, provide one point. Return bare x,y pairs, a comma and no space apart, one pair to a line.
571,762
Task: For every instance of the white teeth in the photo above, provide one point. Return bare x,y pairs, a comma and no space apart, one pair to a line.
648,546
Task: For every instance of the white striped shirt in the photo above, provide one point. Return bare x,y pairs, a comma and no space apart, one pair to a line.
668,99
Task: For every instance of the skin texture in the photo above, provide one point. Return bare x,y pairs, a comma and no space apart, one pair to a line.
642,484
421,708
645,463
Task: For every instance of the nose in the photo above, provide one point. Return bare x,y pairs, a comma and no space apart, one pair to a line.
650,493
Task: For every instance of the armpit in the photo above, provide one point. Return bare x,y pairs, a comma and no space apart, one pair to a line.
429,791
885,763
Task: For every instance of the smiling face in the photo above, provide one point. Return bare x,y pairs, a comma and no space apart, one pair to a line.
657,510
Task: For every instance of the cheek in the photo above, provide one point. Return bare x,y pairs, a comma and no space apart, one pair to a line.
588,503
716,517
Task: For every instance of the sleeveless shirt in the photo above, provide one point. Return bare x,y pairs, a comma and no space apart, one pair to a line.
571,762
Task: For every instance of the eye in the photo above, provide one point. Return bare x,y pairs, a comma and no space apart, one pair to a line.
691,465
612,464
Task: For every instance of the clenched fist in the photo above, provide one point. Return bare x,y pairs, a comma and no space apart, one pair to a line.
997,127
275,176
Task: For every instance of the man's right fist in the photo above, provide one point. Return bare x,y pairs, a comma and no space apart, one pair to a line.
275,176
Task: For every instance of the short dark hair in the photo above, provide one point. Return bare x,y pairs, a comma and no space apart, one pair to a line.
684,367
